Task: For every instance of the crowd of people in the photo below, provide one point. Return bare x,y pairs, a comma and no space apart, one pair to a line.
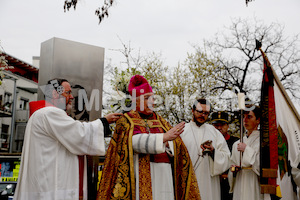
147,158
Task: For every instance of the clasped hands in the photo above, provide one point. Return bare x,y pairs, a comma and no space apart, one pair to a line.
207,147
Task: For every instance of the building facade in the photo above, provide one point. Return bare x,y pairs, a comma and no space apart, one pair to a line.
19,87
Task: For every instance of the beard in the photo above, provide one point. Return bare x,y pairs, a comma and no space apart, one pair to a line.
69,109
197,122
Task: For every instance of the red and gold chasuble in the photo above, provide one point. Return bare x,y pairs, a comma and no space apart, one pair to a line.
118,181
150,125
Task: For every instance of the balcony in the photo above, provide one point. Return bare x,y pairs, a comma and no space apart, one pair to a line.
22,115
5,113
5,110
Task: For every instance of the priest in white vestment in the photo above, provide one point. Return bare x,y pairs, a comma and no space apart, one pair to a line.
244,180
209,160
49,164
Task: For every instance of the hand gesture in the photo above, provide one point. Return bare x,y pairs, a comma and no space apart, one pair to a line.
207,147
174,132
113,117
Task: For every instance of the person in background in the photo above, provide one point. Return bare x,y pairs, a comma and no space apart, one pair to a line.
53,140
244,173
220,120
208,151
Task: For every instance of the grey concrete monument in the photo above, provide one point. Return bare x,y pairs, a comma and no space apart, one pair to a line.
82,65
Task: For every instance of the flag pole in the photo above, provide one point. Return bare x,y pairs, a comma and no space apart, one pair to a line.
242,135
241,102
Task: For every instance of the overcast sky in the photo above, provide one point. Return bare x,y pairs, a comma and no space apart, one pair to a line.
162,26
168,27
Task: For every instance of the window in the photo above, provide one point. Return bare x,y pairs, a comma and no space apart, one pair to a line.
19,138
4,136
23,105
7,97
7,101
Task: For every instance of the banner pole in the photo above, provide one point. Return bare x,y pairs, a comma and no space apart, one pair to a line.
241,102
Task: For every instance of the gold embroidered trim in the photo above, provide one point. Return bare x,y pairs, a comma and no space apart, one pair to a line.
131,155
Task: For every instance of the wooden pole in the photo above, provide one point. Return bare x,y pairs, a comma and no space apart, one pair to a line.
241,135
241,102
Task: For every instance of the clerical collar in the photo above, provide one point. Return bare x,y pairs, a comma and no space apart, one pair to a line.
144,116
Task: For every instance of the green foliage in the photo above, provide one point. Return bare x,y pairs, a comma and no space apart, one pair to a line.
217,69
176,88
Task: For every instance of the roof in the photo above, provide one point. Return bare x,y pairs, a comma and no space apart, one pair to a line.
21,68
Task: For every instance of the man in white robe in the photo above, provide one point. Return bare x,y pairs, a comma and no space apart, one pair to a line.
49,164
209,160
244,180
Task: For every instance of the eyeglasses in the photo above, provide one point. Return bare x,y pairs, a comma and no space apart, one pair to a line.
68,92
200,112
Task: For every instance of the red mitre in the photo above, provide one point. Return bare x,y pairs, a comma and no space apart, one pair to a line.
140,85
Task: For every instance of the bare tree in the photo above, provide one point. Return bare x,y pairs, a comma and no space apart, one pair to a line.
176,88
233,64
217,70
240,64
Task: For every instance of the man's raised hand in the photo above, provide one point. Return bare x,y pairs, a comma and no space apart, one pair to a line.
174,132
